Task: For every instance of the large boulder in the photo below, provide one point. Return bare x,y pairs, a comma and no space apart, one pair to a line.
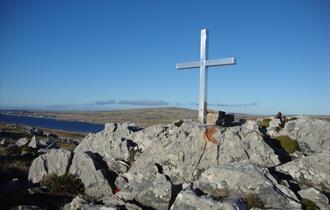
55,161
241,179
187,199
93,174
313,135
310,171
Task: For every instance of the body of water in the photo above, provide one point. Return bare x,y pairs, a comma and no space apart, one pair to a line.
52,123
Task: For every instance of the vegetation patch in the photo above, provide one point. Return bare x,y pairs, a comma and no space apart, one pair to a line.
252,200
66,184
288,144
309,205
264,123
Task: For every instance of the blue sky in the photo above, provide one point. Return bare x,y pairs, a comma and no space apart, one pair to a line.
110,54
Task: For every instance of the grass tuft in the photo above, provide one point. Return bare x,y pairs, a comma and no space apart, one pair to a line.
252,200
66,184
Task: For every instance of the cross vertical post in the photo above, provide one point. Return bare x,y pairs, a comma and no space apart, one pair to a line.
203,65
203,78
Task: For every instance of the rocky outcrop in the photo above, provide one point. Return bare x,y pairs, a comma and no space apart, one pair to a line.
96,179
185,165
189,149
241,179
310,171
55,161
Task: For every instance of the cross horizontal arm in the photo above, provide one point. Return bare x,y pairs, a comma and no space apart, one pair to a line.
188,65
214,62
220,62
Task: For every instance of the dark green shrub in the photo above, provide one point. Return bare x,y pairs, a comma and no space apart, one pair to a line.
309,205
288,144
264,123
252,200
66,184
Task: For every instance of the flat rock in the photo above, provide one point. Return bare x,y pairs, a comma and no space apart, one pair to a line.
310,171
244,178
92,173
55,161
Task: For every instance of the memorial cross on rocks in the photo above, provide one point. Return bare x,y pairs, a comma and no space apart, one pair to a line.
203,64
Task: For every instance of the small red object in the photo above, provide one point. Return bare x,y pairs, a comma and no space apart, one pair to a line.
116,190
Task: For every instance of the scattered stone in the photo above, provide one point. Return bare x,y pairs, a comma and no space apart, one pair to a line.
33,143
92,173
22,142
310,171
25,207
3,142
317,197
55,161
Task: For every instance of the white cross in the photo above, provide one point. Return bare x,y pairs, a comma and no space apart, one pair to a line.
203,64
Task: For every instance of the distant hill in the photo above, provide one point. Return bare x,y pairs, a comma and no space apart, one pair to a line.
143,117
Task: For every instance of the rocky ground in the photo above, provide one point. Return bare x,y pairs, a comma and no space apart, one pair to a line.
255,164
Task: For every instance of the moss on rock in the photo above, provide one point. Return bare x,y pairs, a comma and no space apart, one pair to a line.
288,144
264,123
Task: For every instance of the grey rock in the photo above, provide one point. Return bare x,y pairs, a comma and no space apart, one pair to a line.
317,197
274,127
151,189
33,143
187,199
55,161
244,178
310,171
113,144
92,173
44,142
26,207
3,142
313,135
80,203
22,141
